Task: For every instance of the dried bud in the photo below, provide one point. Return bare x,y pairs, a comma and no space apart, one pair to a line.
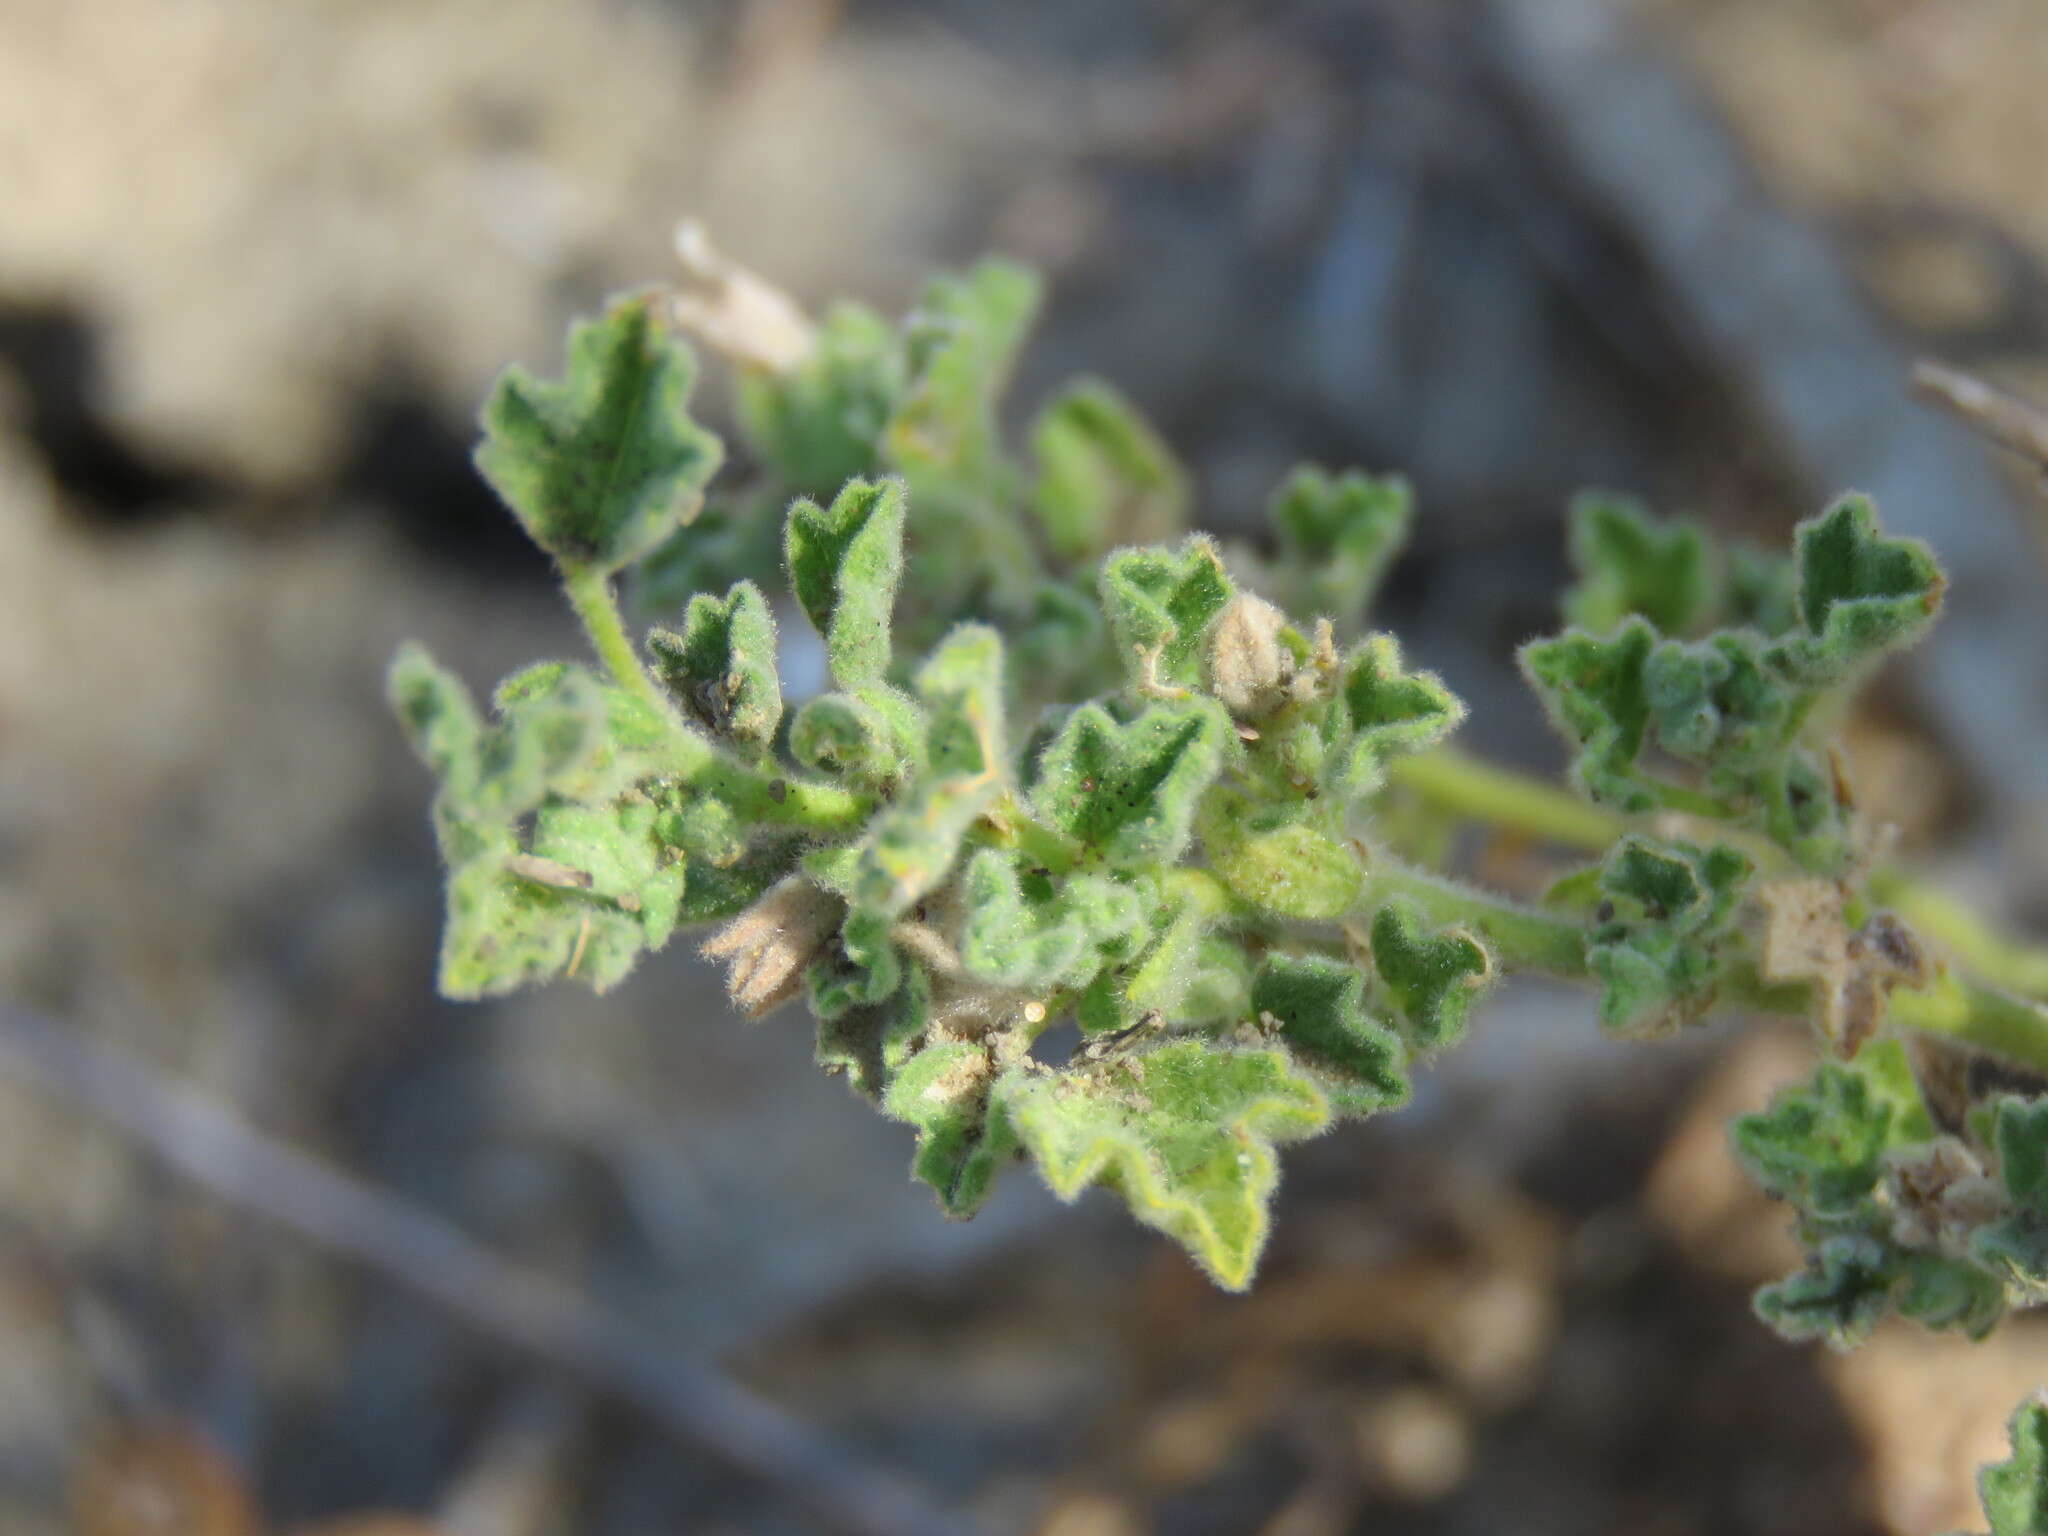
1248,667
768,947
1940,1195
742,315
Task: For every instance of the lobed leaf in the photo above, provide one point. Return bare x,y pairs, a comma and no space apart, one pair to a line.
1185,1132
605,464
1317,1006
2015,1491
1160,604
844,563
721,668
1127,790
1633,564
1385,711
1594,690
1660,941
1860,594
1105,477
1432,977
964,1131
1338,534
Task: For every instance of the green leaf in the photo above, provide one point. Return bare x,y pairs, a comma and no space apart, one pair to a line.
1386,712
1185,1132
2015,1491
1192,974
1844,1290
1023,928
1338,535
1821,1145
2015,1246
820,424
554,855
964,1134
1860,594
1431,976
438,715
1596,694
721,668
1317,1006
604,465
963,340
1283,857
1632,563
844,563
1660,942
1160,604
1105,477
873,739
871,1044
1127,790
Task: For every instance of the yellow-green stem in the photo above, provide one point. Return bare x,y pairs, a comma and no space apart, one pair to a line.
590,593
1524,938
1477,791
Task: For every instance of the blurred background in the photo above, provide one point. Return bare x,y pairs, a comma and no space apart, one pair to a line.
257,263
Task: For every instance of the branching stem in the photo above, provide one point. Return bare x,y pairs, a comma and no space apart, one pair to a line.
1477,791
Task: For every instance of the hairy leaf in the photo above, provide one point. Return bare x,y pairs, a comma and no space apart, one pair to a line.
1385,712
1025,929
1432,977
1338,535
1666,923
1840,1296
844,563
1127,790
721,668
1185,1132
604,465
1631,563
1317,1006
1860,594
1820,1146
1160,605
1594,689
1105,477
2015,1491
964,1135
1283,857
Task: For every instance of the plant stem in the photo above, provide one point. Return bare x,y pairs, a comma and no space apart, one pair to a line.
590,593
1521,937
1478,791
752,794
1975,1014
1524,938
1463,785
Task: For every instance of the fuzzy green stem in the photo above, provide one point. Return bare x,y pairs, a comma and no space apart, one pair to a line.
1522,938
1477,791
589,589
1975,1014
1463,785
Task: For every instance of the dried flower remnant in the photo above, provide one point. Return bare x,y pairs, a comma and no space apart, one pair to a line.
768,947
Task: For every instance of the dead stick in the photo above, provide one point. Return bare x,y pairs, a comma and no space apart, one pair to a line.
419,1250
2004,418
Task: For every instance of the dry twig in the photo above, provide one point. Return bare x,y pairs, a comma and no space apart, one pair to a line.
2010,422
417,1249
